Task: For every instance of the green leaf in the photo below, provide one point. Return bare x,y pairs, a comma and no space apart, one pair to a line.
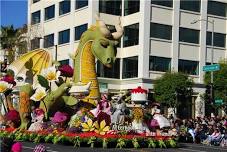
151,143
135,143
120,143
43,81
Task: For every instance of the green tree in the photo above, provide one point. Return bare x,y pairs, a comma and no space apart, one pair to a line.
220,81
12,40
171,87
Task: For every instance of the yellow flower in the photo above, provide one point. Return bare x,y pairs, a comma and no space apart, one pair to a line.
51,74
39,94
4,86
102,128
89,126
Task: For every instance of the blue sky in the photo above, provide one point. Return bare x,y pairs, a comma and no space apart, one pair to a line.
13,12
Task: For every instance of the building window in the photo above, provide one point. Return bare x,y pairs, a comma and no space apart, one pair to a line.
189,35
48,40
49,12
161,31
110,7
167,3
79,30
190,5
131,35
63,36
81,3
64,7
188,67
159,64
36,17
64,62
130,67
217,8
131,6
35,43
219,39
114,72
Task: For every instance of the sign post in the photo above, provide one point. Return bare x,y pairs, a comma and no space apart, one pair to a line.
219,102
213,67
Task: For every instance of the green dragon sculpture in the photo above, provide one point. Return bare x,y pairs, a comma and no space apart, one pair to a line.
96,42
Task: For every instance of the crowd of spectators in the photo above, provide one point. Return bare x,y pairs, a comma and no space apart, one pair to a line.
207,130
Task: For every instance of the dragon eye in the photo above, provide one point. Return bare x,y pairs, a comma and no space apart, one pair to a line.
104,44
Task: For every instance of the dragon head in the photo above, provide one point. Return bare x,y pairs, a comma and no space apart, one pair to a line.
104,43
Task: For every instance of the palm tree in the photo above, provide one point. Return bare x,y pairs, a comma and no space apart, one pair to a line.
13,40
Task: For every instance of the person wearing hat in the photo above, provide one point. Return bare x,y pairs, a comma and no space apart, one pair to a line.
38,120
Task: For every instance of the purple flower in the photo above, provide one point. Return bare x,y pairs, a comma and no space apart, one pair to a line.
66,70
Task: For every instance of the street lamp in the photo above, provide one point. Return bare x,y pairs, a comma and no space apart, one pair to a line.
212,53
49,42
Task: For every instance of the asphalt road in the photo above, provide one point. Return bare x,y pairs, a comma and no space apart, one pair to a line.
184,147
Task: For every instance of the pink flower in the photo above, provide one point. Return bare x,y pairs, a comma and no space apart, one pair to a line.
9,79
66,70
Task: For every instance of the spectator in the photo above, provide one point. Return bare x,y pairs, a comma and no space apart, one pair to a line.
6,144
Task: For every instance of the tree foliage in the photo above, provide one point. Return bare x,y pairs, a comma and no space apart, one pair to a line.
220,81
13,41
171,86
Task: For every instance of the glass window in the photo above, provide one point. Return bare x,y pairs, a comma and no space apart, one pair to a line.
63,36
103,71
217,8
188,67
159,64
35,43
79,30
110,7
167,3
130,67
48,40
189,35
63,62
81,3
131,6
49,12
219,39
161,31
190,5
35,1
36,17
64,7
131,35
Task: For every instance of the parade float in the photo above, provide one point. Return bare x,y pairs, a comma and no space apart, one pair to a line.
43,102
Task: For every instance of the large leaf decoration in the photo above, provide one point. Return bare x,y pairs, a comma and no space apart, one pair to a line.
43,81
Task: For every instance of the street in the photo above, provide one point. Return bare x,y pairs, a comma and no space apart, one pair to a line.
186,147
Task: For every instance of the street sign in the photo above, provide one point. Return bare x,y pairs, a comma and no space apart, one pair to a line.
218,101
213,67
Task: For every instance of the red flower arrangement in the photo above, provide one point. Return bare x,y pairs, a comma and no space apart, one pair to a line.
9,79
66,70
139,90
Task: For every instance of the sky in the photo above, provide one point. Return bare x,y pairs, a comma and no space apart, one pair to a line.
13,12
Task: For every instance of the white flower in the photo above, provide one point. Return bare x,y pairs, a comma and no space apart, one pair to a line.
39,94
51,74
4,86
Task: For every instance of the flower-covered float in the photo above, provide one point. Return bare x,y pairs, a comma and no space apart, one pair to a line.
41,102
